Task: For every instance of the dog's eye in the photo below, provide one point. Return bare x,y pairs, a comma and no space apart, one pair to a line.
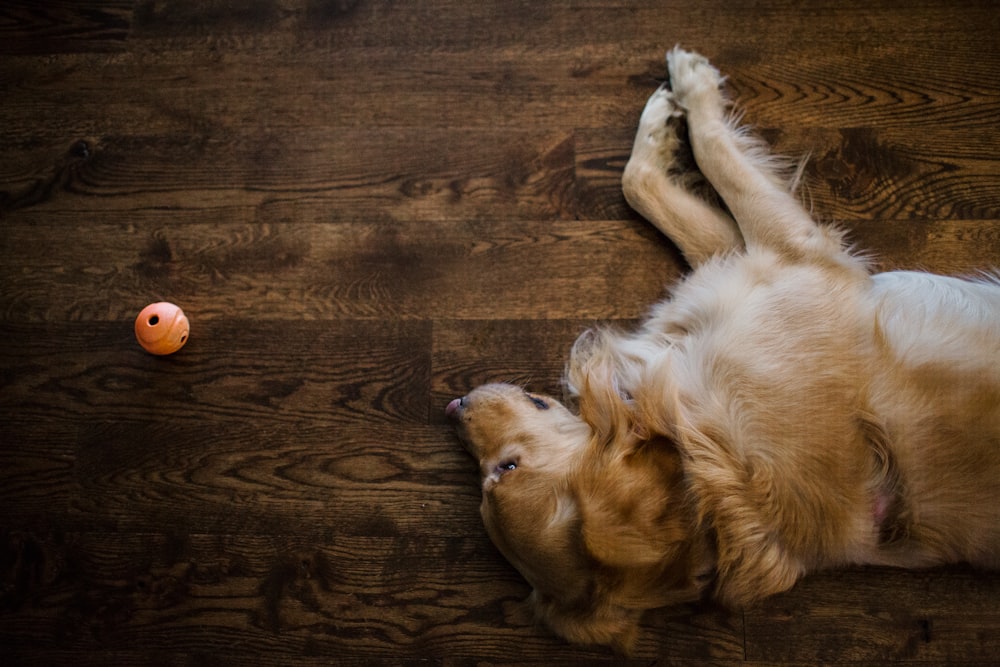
505,467
541,404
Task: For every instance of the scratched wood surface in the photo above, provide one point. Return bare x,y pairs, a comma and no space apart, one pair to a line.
366,207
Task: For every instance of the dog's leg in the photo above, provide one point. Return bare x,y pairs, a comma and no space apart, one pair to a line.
741,171
657,187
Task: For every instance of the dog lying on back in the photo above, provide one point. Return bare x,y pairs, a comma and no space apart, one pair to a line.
785,410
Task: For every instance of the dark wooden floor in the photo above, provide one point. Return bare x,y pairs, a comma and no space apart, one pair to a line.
366,207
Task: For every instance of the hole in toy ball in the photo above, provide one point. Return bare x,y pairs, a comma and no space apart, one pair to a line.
183,338
154,320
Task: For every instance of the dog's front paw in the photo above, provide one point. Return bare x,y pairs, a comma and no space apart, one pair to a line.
657,138
693,79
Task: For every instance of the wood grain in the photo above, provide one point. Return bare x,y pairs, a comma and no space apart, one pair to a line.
229,370
388,174
275,597
366,209
311,270
941,616
64,26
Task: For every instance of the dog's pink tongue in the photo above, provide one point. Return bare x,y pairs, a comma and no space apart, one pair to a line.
452,407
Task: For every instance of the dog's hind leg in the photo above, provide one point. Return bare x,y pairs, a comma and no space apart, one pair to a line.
657,185
740,169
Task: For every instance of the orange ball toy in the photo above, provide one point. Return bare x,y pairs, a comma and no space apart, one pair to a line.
161,328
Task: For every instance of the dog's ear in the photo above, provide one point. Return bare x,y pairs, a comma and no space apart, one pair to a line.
614,538
632,505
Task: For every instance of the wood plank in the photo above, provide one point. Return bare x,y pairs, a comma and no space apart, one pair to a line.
867,174
238,370
36,468
178,92
900,89
64,26
262,478
964,248
411,269
941,616
528,27
463,175
273,599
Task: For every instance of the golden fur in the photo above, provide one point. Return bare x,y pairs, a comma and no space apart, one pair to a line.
783,411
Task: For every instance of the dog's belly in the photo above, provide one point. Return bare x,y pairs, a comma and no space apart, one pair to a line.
926,318
937,342
817,354
936,387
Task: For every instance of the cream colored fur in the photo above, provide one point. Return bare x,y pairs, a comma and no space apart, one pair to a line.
783,411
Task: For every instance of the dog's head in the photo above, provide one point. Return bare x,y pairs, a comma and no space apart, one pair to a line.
601,530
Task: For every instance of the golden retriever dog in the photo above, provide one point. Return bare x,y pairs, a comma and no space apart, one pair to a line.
784,410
